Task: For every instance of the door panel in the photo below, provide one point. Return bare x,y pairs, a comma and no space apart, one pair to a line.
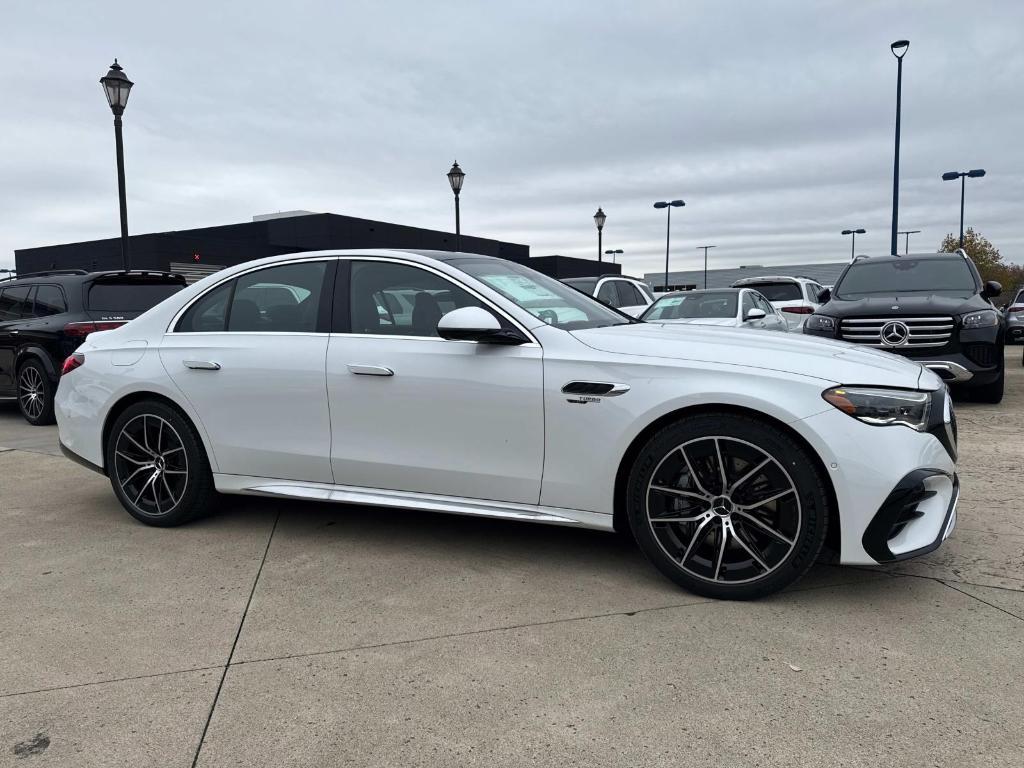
455,418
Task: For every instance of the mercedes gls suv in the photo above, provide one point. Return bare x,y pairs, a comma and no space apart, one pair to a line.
44,316
504,393
932,308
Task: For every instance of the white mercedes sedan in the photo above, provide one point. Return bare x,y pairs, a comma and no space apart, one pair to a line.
726,307
449,382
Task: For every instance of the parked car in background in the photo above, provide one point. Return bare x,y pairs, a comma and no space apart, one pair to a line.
795,297
44,316
520,399
727,307
933,308
1015,318
623,293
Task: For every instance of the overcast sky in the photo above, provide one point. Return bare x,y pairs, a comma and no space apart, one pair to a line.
773,121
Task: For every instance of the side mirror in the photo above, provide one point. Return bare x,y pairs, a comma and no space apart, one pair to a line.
824,296
476,324
991,289
754,314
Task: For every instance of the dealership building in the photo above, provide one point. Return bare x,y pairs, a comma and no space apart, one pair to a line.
199,252
823,274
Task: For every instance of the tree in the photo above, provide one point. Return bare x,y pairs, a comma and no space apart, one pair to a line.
987,258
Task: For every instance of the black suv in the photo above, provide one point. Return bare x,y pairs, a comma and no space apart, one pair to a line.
932,308
44,316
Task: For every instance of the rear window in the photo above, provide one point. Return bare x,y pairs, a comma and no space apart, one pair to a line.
783,291
129,295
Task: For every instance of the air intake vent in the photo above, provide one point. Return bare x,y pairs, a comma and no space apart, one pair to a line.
982,354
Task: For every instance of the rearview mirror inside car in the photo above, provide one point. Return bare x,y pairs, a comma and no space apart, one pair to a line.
477,324
754,314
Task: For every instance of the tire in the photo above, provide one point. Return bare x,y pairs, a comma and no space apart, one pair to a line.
157,465
746,544
990,393
35,393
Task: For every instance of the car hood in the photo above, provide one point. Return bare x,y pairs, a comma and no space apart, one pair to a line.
907,305
833,361
728,322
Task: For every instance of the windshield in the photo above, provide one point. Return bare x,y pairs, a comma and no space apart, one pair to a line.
781,291
692,305
945,277
129,295
543,297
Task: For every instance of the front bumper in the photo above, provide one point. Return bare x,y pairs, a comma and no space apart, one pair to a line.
915,518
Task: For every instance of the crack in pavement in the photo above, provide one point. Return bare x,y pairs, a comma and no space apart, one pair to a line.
980,600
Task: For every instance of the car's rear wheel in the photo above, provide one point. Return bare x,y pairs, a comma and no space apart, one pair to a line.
727,506
35,394
157,465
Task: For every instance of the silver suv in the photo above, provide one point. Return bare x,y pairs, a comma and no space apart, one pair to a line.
795,297
1015,318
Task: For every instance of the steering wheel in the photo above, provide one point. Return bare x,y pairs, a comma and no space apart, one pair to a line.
549,316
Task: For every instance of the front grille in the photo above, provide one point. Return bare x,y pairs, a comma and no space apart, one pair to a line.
921,332
982,354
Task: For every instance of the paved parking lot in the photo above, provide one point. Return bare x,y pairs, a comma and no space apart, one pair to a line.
288,634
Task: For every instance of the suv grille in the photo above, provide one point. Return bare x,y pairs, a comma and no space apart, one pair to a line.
916,332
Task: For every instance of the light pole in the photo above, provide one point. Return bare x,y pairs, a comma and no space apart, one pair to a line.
117,86
853,241
613,253
668,206
705,247
906,240
455,178
977,173
899,50
599,219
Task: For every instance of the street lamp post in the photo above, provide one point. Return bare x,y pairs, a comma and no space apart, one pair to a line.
455,178
853,241
906,240
599,219
117,86
613,254
668,206
899,50
977,173
705,247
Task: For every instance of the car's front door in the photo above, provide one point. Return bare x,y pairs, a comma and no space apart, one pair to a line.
249,356
413,412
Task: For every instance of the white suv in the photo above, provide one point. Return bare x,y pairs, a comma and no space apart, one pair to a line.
795,297
623,293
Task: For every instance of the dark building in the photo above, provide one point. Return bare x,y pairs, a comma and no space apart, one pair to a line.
201,251
561,267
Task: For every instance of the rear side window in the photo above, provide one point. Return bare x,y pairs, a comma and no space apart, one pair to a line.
782,291
14,303
209,313
629,296
284,299
129,295
50,301
607,294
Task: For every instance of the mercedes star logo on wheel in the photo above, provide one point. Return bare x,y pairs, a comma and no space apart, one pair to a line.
895,334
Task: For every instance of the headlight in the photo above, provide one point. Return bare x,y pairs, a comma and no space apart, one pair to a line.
986,318
820,323
882,407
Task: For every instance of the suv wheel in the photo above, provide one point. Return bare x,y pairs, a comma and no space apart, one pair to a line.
158,468
990,393
727,506
35,394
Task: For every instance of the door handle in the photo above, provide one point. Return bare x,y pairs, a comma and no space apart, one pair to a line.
202,365
370,370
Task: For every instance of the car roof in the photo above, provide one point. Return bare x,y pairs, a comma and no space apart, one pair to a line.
62,276
698,291
771,279
907,256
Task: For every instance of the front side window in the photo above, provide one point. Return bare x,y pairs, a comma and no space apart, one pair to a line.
14,302
763,303
949,277
543,297
391,299
749,303
607,293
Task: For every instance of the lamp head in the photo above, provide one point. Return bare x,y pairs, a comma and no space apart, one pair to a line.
950,176
977,173
899,48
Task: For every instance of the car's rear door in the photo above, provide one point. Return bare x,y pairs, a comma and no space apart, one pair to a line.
413,412
14,303
249,356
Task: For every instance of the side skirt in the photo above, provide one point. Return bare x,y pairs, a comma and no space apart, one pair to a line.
348,494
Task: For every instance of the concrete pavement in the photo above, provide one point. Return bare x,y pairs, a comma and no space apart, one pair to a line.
288,634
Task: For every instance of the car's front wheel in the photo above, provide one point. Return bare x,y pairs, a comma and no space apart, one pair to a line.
157,465
727,506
